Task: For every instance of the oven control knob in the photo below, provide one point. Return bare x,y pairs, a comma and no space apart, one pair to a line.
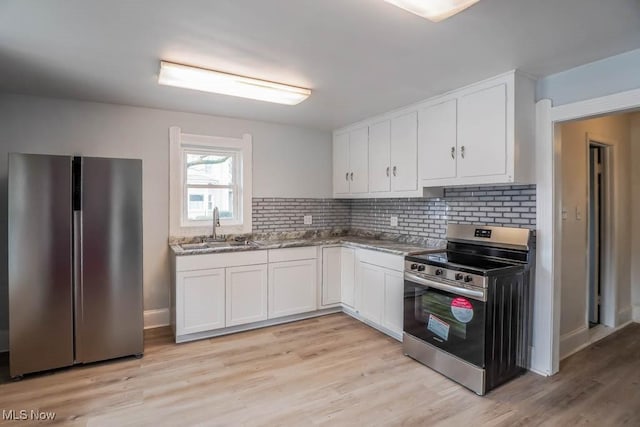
459,276
468,279
414,266
421,267
439,272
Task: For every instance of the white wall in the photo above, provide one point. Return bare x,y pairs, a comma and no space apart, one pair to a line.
573,322
287,162
635,215
611,75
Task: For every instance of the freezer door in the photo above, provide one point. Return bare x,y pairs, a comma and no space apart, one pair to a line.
109,289
40,268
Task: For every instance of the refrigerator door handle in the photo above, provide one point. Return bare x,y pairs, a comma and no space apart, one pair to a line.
77,281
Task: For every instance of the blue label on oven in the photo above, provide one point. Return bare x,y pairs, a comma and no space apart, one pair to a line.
438,327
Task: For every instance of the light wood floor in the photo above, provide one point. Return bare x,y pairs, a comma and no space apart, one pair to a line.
326,371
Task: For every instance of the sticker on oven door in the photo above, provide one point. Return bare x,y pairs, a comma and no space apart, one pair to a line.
462,309
438,327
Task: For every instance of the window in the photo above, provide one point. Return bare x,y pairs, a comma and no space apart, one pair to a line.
209,172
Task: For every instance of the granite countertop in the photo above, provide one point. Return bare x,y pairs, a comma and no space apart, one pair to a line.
373,243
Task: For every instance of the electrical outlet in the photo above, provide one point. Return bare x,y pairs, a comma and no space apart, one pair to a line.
394,221
308,220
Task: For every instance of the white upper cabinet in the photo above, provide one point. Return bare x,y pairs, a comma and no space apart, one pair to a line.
404,152
482,134
380,157
351,162
438,141
341,164
359,160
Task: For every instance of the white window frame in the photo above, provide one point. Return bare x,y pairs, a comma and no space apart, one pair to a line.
179,143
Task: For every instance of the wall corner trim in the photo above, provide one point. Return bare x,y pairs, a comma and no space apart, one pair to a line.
636,313
156,318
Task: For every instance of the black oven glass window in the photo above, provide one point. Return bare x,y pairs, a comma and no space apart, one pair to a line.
445,315
449,321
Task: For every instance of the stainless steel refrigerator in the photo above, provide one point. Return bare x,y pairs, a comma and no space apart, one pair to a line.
75,260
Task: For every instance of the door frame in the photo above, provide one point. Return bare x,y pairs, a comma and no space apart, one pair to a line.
546,330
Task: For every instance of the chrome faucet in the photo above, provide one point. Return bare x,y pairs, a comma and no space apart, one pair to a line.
216,222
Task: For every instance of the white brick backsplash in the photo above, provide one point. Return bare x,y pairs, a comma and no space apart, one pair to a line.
513,206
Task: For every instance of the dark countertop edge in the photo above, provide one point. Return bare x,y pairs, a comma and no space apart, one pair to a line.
390,247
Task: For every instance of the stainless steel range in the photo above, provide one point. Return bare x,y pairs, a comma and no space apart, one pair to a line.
467,309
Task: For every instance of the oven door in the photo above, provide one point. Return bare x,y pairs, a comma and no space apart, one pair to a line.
445,316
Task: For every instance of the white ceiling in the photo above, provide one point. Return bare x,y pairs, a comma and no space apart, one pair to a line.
360,57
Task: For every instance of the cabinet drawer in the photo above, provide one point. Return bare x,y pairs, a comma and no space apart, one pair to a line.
229,259
381,259
293,254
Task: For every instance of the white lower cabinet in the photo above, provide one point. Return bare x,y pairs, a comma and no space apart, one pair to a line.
292,287
247,294
200,300
338,271
393,314
380,290
370,303
348,276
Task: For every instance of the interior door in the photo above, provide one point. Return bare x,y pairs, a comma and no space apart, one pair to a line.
109,319
404,152
380,157
482,133
39,261
437,141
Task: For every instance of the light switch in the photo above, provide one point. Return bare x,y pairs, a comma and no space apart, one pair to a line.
565,214
394,221
308,220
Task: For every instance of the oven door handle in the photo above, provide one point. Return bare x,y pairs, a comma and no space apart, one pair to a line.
477,295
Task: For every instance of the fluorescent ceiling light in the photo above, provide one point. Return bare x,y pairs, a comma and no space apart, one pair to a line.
184,76
433,10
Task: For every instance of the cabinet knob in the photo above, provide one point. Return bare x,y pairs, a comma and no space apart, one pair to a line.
346,176
387,170
453,153
351,176
462,151
395,171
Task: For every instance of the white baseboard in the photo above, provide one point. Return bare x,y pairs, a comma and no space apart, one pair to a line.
574,341
625,315
636,313
156,318
4,341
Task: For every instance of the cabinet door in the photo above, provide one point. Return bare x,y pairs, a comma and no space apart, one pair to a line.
380,157
331,275
200,301
404,152
437,140
341,164
371,289
359,160
292,287
246,298
347,276
393,301
482,133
